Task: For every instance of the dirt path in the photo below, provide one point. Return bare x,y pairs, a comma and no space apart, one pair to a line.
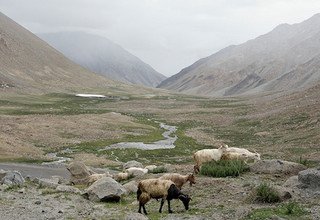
34,170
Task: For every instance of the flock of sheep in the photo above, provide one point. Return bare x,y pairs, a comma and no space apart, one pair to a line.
168,186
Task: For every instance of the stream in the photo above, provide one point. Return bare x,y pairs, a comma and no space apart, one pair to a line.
166,143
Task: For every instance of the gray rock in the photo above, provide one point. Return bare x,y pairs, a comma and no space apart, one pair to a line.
105,189
276,167
310,178
79,173
292,182
136,216
131,187
284,192
69,189
12,178
132,163
2,174
50,183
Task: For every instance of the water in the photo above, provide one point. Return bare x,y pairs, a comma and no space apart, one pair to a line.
167,143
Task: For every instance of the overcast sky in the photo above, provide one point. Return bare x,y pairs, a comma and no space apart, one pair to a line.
167,34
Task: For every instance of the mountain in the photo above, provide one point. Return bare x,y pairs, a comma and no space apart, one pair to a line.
285,59
28,64
104,57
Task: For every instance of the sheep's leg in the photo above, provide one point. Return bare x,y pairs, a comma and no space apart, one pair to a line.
161,205
144,210
139,207
169,208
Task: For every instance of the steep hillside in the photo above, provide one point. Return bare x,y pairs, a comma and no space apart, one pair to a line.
104,57
28,64
287,58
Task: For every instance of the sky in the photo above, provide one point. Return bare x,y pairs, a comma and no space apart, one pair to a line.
167,34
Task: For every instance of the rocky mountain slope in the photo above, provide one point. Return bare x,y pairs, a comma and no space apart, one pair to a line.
104,57
28,64
287,58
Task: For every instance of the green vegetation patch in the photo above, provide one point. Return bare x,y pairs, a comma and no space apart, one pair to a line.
267,194
224,168
291,210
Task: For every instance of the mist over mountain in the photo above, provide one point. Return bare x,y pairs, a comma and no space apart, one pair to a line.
28,64
285,59
104,57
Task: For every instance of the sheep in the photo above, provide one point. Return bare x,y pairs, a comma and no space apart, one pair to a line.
96,176
207,155
240,153
136,171
178,179
121,176
157,188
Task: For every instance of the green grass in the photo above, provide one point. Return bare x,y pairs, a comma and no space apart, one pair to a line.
224,168
267,194
159,169
291,210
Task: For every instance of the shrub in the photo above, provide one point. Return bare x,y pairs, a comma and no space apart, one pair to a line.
160,169
223,168
267,194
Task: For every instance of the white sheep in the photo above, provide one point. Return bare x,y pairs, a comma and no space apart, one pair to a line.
178,179
157,188
240,153
136,171
207,155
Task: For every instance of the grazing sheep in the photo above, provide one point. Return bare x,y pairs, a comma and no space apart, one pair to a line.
157,188
178,179
136,171
121,176
207,155
96,176
241,153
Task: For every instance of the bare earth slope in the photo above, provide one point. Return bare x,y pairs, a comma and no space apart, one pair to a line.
284,59
28,64
104,57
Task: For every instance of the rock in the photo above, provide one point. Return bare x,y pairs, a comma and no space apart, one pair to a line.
79,173
50,183
2,174
136,171
105,189
136,216
284,193
37,202
132,163
12,178
69,189
276,167
310,178
131,187
292,182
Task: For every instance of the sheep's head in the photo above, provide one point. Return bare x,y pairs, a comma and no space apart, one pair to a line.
191,179
185,199
223,147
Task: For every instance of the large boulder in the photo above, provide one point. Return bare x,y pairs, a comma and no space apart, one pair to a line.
13,178
53,182
79,173
132,163
131,187
276,167
310,178
105,189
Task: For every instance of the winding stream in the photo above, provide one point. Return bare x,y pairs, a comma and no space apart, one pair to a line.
167,143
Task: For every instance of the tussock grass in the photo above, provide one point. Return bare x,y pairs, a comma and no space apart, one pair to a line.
267,194
224,168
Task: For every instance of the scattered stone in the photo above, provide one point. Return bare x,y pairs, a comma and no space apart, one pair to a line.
292,182
131,187
310,178
284,193
13,178
276,167
79,173
50,183
60,211
136,216
22,190
2,174
69,189
37,202
132,163
105,190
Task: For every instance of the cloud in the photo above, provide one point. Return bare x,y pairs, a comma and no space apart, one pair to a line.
167,34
